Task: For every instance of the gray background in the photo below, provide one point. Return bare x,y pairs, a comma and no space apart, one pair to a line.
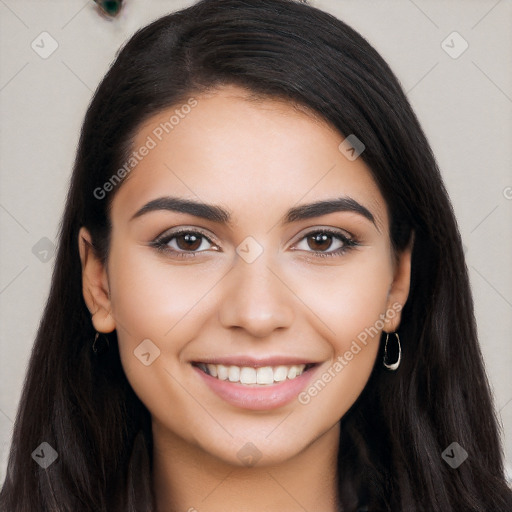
463,103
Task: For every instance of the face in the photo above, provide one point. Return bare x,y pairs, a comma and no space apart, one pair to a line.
250,284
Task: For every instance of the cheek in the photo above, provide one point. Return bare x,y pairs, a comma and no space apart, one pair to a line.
154,301
346,300
347,306
150,299
160,303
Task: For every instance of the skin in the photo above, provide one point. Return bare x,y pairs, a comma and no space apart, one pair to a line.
257,159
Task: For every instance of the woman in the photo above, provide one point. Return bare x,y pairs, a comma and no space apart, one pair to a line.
260,300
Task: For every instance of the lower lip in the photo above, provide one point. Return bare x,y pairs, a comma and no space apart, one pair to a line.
257,398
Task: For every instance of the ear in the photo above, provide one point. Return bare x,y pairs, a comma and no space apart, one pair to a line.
399,289
95,285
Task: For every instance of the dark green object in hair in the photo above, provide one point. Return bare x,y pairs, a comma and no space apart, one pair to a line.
110,7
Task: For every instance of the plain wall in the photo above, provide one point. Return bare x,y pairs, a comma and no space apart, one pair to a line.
464,105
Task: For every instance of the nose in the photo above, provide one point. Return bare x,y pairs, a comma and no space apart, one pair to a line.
256,299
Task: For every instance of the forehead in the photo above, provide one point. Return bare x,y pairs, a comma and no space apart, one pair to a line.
252,156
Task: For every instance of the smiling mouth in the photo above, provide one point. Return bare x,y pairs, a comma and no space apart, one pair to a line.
248,375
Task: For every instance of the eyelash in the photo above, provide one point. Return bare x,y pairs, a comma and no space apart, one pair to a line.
160,243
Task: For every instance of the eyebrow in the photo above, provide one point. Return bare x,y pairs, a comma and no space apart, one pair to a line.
220,215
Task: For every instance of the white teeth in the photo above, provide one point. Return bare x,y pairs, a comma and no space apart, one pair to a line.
248,375
280,373
292,372
222,371
265,375
234,374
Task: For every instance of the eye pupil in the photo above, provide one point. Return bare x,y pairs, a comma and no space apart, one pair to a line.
322,239
192,241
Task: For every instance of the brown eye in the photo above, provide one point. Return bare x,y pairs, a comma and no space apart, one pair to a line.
189,241
183,243
320,241
326,242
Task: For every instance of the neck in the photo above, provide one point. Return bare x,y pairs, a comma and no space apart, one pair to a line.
188,479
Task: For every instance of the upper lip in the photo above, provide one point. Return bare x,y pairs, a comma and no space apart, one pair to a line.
255,362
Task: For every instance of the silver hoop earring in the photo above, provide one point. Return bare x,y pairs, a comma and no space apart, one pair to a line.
396,364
